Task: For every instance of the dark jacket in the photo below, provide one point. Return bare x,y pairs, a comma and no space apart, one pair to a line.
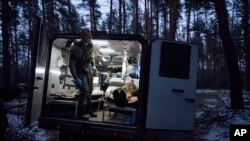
80,57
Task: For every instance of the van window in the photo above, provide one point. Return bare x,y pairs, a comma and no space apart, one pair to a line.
175,60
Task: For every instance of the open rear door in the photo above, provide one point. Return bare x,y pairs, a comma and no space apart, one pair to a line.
38,64
172,84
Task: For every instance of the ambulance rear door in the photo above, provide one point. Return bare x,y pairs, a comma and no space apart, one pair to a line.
172,85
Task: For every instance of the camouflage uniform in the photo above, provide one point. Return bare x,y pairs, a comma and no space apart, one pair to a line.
81,61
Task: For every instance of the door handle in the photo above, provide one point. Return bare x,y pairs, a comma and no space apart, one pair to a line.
36,87
178,90
190,99
39,78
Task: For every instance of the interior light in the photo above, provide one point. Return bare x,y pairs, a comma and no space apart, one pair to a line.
40,70
100,42
106,50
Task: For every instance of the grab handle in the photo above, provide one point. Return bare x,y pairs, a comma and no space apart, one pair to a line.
177,90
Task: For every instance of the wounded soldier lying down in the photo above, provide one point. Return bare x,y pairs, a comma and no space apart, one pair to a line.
126,96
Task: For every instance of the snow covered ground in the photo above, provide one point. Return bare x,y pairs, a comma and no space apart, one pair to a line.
212,120
214,116
17,131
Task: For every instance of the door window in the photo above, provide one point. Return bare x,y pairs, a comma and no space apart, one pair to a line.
175,60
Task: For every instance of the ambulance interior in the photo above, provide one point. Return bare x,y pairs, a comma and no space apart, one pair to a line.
118,68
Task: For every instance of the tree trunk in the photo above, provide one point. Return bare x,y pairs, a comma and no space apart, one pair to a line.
43,11
165,20
146,18
110,16
246,29
16,53
32,7
11,53
120,17
124,16
6,53
92,15
233,13
70,17
136,17
150,20
30,32
51,14
231,56
189,7
157,18
174,8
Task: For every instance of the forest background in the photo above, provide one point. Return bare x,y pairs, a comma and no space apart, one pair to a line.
220,28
